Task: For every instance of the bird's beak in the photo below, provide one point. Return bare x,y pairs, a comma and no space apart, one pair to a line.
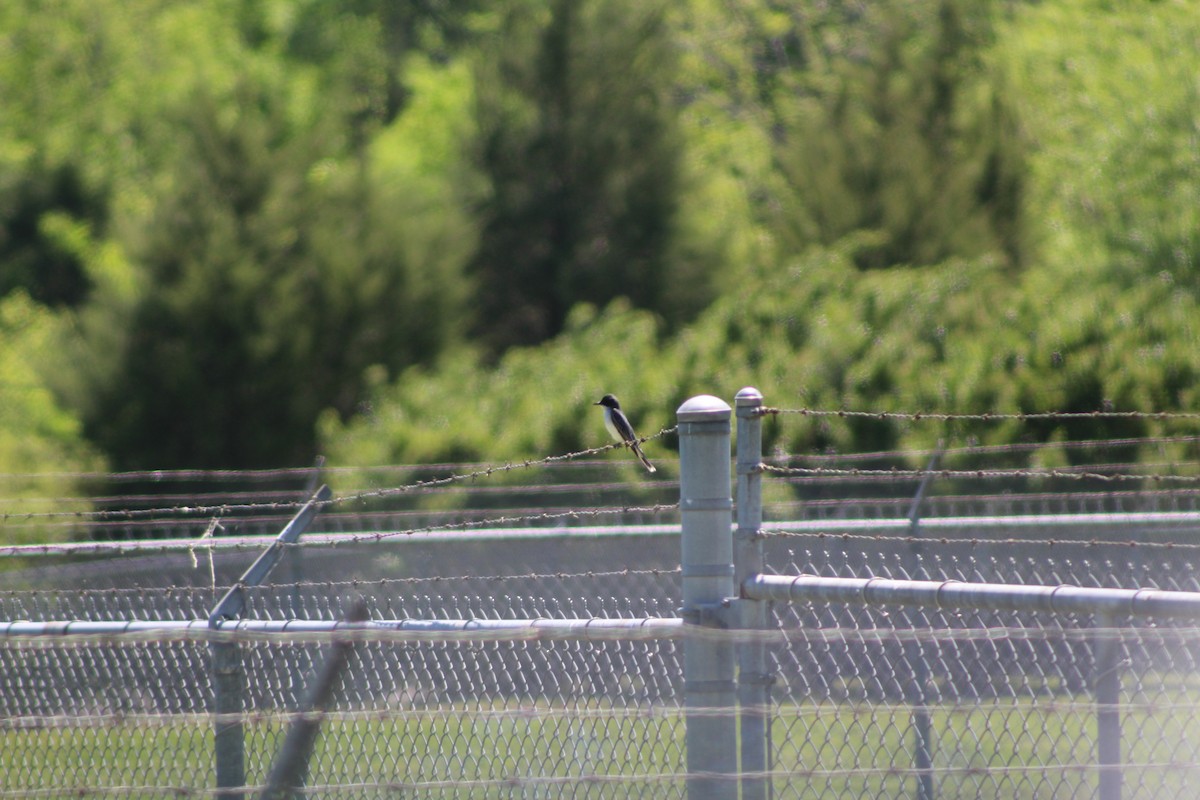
596,403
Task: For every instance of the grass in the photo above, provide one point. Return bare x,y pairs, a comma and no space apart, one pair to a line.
989,749
495,751
998,748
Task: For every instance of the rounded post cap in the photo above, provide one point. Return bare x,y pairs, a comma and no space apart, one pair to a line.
701,408
748,396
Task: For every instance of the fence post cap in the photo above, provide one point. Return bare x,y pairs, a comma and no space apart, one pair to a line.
702,408
748,396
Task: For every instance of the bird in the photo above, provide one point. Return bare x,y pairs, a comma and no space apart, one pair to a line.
621,430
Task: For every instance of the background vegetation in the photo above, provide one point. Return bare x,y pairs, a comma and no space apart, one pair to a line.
236,233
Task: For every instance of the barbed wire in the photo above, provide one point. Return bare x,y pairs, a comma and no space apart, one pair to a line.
321,540
1024,499
333,520
196,513
249,475
276,473
233,506
985,416
489,471
862,508
1076,474
771,530
235,499
1007,448
574,515
381,583
357,497
227,499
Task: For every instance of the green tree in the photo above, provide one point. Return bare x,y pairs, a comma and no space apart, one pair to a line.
534,401
59,140
360,49
889,120
275,278
579,142
1109,97
235,216
31,258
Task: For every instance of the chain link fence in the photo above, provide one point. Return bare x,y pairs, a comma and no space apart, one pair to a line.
1004,707
1009,694
451,718
863,700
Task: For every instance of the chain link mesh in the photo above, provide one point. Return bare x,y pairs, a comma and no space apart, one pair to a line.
1008,698
132,718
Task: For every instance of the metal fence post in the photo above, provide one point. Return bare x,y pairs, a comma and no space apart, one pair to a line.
707,568
228,676
229,746
1107,686
754,681
914,650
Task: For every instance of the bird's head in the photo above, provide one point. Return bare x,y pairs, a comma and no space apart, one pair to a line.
608,401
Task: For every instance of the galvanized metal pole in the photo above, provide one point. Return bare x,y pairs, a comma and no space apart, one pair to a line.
754,680
229,739
233,603
918,688
297,576
228,678
707,569
1107,686
957,594
548,629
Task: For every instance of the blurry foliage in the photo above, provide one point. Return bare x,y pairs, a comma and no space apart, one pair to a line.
233,233
965,332
260,247
33,197
42,449
1112,108
961,336
886,119
449,413
582,150
276,278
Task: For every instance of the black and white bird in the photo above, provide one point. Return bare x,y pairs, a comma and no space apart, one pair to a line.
621,430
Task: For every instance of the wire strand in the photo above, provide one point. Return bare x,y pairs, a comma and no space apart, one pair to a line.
357,497
318,540
1076,474
986,416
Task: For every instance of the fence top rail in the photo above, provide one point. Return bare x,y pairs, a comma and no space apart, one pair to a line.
1105,519
393,629
979,596
334,539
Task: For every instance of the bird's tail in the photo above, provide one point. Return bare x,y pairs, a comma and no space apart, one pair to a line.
637,449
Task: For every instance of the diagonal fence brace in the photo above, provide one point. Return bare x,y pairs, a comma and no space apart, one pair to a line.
233,604
291,764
